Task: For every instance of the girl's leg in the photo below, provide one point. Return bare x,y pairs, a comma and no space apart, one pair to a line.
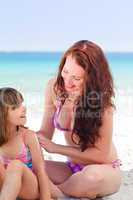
93,181
19,181
2,174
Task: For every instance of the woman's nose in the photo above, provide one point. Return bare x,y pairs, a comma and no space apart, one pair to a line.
69,80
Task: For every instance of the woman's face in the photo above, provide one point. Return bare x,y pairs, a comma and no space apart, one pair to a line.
73,75
17,115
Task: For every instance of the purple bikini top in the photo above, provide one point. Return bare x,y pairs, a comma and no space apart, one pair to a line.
55,119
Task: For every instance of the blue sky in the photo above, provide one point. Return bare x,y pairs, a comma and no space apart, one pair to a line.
39,25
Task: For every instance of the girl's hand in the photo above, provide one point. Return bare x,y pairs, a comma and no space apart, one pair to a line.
47,144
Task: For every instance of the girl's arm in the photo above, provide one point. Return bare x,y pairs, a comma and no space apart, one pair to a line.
98,154
38,165
47,128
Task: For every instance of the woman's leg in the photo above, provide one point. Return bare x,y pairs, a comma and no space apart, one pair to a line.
93,181
58,172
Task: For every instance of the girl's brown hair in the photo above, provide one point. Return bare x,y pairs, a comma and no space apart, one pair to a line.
97,94
9,98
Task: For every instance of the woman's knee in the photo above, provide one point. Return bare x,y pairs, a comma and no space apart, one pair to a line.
93,177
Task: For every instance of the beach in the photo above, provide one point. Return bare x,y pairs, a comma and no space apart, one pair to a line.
30,73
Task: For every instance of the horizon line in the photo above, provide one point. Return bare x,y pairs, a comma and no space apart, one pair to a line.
57,51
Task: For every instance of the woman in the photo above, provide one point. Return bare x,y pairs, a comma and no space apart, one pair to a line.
79,104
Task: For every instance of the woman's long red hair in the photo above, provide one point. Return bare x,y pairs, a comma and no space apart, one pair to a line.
97,94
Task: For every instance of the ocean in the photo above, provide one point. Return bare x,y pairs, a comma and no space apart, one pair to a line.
29,72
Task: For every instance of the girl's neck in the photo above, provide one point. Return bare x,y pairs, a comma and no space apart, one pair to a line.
13,131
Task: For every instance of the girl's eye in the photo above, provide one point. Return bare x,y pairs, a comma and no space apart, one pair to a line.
14,107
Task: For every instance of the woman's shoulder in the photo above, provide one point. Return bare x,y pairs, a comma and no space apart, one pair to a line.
107,116
107,119
49,91
108,111
50,84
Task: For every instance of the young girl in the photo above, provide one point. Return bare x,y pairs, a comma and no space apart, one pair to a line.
21,162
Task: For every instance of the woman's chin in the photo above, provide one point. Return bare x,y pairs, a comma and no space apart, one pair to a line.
70,90
74,92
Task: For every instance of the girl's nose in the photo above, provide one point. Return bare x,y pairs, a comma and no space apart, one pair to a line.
24,107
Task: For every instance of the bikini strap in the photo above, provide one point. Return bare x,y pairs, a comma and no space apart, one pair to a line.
58,108
23,135
24,146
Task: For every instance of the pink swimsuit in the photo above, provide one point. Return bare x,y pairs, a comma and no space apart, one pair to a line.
24,156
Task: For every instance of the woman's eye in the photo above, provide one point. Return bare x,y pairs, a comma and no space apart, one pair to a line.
64,71
77,79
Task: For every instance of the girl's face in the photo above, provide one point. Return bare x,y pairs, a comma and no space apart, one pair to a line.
73,75
17,115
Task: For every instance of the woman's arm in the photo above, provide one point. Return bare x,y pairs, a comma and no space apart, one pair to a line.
47,128
98,154
38,165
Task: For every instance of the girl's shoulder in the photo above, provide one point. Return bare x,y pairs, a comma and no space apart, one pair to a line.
27,135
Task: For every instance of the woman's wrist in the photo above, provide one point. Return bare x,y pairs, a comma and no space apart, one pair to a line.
40,132
56,148
65,150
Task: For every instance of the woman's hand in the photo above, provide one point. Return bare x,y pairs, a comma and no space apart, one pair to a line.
47,144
